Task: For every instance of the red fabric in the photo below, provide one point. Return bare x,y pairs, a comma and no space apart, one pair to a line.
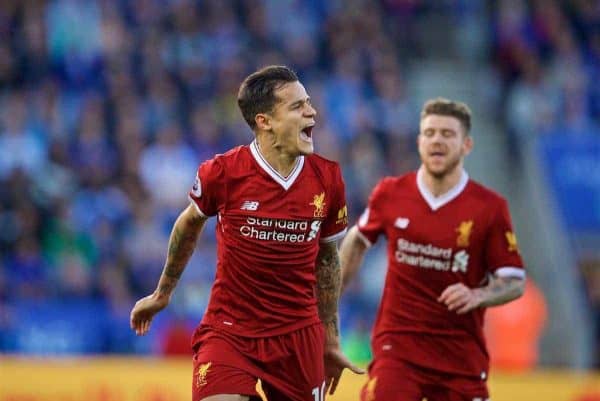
268,238
424,246
402,381
221,379
290,366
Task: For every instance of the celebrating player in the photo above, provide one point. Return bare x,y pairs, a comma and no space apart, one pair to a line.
280,209
451,253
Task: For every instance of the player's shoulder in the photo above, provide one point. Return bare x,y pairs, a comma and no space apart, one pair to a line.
223,166
485,194
321,162
323,167
235,159
393,183
394,189
233,155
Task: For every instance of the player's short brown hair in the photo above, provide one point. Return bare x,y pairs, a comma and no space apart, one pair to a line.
257,91
445,107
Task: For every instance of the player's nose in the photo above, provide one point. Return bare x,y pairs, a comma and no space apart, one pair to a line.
437,137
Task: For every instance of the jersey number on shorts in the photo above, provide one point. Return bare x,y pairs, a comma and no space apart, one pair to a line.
319,393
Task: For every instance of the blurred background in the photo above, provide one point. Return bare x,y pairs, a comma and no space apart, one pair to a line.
108,106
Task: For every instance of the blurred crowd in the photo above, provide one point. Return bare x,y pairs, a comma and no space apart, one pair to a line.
108,106
548,56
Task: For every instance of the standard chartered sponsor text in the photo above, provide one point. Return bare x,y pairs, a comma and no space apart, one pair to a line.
429,250
427,256
280,230
422,261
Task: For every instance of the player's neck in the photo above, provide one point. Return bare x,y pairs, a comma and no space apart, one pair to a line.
279,161
439,185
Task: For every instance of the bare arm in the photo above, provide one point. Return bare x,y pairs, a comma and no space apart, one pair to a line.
329,281
501,290
498,291
182,242
328,275
352,253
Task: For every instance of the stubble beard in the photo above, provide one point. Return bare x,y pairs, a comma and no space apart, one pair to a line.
450,167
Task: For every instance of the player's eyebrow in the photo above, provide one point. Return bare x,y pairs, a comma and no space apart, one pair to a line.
300,101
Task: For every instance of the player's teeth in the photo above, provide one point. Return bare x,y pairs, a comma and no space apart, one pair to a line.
304,137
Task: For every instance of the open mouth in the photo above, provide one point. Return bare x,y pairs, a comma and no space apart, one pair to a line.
306,133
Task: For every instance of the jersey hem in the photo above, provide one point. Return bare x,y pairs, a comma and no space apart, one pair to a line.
286,329
509,271
197,207
364,238
334,237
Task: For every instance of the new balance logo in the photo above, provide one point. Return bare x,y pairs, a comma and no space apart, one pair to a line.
249,205
401,222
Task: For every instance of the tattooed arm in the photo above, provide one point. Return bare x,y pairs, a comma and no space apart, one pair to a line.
182,243
329,280
499,290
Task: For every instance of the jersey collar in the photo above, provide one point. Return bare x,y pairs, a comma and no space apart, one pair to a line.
436,202
285,182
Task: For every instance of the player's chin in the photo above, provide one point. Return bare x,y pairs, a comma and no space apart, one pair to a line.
305,147
436,170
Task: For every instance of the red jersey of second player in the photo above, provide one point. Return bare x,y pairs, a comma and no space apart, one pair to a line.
268,233
461,236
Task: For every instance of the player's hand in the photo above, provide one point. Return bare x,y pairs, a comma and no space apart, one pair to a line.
335,363
460,298
144,311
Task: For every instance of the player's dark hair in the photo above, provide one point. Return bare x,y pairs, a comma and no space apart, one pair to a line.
445,107
257,92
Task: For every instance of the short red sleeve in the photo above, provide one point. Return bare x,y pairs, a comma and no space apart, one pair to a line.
336,222
371,224
207,193
502,248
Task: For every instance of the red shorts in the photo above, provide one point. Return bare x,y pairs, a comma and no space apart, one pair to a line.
402,381
290,366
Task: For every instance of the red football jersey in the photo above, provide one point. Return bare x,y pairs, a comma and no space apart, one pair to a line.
461,236
268,233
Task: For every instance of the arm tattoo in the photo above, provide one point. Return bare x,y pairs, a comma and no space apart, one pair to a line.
166,287
328,275
501,290
181,246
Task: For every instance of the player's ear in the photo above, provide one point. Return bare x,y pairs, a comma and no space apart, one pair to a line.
467,144
263,122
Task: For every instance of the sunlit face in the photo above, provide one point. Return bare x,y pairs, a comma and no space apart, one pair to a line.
291,121
443,143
